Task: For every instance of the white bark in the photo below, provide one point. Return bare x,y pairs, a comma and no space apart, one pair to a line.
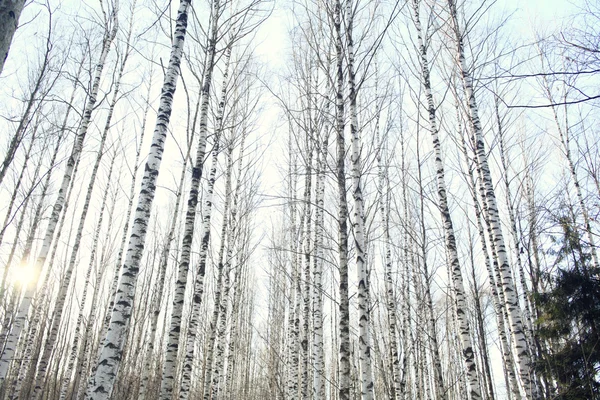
344,303
358,220
466,344
318,391
513,308
102,382
77,334
66,281
383,191
204,243
170,364
10,11
58,206
212,367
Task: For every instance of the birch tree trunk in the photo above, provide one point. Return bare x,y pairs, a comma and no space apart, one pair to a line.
170,365
77,334
243,244
383,190
358,220
11,344
293,328
510,299
62,293
10,11
318,391
344,302
495,284
103,380
304,241
449,235
513,226
198,286
217,315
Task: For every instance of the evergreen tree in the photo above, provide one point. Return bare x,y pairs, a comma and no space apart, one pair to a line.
569,319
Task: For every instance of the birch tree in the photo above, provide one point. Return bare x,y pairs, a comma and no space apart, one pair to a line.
102,382
109,35
10,11
511,301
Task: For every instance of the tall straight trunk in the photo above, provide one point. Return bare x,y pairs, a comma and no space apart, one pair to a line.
406,329
511,301
198,287
63,289
513,226
495,283
103,380
234,333
304,241
383,190
89,345
426,285
81,363
170,365
10,11
158,290
292,342
225,281
318,356
358,221
77,334
59,203
479,318
449,235
344,301
212,364
239,271
239,243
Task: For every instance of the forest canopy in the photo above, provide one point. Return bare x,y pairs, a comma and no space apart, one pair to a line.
304,199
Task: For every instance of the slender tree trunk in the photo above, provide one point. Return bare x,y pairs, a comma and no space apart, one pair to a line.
511,301
304,240
170,365
513,226
344,302
239,273
198,287
58,205
495,283
292,345
479,317
10,11
77,334
63,289
212,366
358,220
318,355
449,235
103,380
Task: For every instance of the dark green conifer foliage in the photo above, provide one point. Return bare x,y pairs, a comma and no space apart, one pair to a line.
569,316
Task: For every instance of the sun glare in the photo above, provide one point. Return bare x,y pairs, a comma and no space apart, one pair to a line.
23,275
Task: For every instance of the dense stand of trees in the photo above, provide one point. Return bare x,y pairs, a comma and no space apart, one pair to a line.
405,207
